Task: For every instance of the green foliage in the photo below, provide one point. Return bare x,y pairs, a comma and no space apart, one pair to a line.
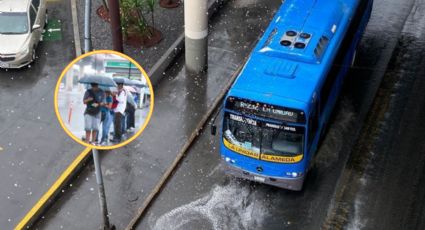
134,14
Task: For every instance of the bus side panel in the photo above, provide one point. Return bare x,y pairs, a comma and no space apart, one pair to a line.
341,69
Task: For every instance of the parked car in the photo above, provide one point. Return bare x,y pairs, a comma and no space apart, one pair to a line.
21,27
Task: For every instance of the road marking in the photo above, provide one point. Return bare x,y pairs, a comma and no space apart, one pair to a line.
53,31
1,149
32,215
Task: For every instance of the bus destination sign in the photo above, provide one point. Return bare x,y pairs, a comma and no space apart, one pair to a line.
265,110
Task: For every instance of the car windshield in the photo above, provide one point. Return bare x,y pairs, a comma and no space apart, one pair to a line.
13,23
263,137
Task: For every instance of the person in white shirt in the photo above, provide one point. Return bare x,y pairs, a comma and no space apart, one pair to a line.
119,112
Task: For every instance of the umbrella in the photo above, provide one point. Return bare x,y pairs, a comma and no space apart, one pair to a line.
96,79
138,83
122,80
130,89
105,88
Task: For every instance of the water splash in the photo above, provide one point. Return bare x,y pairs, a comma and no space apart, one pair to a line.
230,206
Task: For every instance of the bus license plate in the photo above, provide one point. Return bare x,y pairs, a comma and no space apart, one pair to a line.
259,179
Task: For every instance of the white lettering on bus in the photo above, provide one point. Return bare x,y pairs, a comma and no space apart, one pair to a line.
248,105
293,129
241,119
273,126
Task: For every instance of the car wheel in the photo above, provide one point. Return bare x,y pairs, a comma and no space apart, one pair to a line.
33,55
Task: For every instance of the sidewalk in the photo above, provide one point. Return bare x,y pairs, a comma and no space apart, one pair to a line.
181,100
72,109
168,21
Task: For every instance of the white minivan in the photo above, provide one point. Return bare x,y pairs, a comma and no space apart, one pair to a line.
21,26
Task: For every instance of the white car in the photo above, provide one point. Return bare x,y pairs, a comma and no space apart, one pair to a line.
21,26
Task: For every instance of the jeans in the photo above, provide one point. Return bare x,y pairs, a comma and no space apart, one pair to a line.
106,124
130,117
118,117
124,123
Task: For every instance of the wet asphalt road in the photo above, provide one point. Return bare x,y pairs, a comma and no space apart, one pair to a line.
383,186
181,100
35,149
200,196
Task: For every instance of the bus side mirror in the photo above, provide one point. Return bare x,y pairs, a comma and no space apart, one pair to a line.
212,122
213,129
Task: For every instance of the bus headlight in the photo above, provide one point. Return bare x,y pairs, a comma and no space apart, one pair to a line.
294,174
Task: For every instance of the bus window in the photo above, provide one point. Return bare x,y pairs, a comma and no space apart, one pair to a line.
287,143
313,125
242,131
281,143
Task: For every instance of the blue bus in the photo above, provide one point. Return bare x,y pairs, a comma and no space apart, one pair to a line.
277,109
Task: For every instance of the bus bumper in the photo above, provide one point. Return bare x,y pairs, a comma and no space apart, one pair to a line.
295,184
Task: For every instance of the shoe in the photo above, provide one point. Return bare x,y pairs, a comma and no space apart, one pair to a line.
115,140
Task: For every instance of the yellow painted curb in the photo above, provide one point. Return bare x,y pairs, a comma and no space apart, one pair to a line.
35,210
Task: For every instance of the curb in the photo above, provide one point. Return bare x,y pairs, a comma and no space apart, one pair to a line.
182,153
75,28
55,190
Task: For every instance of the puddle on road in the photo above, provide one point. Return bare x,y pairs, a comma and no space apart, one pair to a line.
230,206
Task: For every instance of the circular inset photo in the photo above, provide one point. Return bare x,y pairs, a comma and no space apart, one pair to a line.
104,99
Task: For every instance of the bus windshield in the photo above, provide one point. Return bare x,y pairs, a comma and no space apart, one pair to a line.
263,137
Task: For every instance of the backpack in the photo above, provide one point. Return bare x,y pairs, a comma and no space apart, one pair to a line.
114,102
91,110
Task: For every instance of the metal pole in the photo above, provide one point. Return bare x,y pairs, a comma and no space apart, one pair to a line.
87,35
114,13
102,196
97,167
196,32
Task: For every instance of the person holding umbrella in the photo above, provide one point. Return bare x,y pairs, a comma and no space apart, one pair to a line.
119,111
130,112
106,117
93,98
